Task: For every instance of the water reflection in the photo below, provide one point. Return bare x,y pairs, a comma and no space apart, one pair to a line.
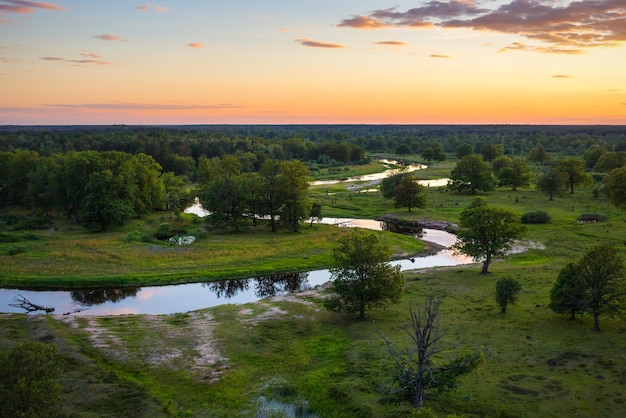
98,296
264,286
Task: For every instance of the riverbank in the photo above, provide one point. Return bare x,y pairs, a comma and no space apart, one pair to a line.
70,257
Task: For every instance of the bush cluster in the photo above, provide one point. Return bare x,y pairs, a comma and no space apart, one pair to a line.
592,217
536,217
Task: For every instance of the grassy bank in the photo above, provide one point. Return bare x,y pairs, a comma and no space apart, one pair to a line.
71,256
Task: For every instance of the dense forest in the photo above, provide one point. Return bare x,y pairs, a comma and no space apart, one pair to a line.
103,175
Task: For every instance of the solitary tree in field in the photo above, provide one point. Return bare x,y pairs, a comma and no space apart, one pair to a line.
408,194
551,182
568,295
487,233
574,171
424,365
362,276
602,272
507,290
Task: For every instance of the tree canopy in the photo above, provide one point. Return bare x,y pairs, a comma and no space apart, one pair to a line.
472,174
362,276
487,233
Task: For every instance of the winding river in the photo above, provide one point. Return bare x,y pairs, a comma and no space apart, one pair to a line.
188,297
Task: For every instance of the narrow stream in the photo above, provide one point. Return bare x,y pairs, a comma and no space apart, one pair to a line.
193,296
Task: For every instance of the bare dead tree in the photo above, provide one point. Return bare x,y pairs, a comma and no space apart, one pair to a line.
28,306
419,366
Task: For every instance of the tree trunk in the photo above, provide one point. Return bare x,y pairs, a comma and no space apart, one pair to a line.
362,313
418,399
486,265
596,321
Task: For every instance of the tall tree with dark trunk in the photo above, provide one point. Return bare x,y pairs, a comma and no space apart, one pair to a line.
487,233
362,276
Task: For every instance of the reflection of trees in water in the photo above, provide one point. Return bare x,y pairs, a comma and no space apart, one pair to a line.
228,288
264,286
97,296
276,284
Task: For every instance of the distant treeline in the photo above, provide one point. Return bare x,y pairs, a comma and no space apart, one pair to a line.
178,148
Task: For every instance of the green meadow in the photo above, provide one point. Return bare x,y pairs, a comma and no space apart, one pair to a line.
287,356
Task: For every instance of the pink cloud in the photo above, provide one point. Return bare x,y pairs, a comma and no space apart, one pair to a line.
144,8
195,45
317,44
108,37
564,27
391,43
24,7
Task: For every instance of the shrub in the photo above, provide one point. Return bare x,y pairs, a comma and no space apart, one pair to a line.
16,249
536,217
166,231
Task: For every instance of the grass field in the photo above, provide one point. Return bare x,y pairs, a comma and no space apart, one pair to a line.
288,356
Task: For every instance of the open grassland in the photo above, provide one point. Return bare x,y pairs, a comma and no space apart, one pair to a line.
288,356
72,256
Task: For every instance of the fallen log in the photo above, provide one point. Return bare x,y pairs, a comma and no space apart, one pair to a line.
28,306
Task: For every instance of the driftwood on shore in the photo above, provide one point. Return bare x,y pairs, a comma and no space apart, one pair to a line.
28,306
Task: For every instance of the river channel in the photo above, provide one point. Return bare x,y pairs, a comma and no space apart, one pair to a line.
188,297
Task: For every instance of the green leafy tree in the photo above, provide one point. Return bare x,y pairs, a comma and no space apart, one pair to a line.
593,154
472,174
538,154
499,163
602,271
362,276
175,195
427,363
271,198
610,161
408,194
388,184
491,151
316,213
294,186
29,381
487,233
462,150
551,182
514,175
615,186
568,295
507,291
574,171
106,203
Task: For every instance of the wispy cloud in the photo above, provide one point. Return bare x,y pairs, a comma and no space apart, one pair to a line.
87,58
440,56
141,106
195,45
109,37
147,8
561,76
520,46
565,26
24,7
391,43
317,44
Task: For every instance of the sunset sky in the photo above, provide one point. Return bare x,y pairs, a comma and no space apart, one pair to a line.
313,61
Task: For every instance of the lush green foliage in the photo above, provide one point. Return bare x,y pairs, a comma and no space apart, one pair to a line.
361,276
472,174
487,233
507,292
29,381
536,217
